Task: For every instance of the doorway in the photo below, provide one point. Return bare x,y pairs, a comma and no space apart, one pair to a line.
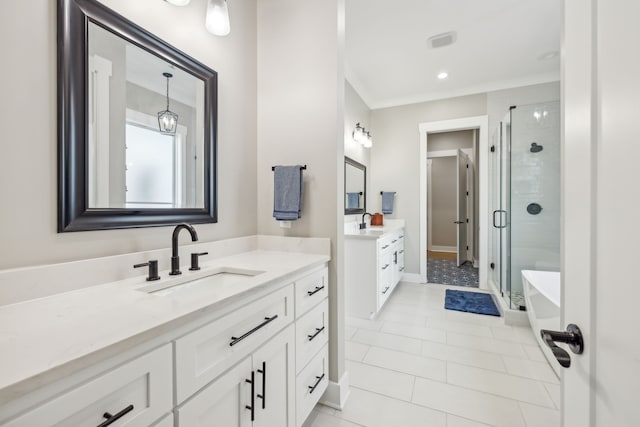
451,208
470,234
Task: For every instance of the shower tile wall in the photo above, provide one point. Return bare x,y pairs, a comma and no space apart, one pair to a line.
535,178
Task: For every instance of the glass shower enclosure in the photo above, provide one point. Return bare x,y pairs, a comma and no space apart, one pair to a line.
524,186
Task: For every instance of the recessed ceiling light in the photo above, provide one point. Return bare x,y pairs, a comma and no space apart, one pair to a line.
443,75
548,55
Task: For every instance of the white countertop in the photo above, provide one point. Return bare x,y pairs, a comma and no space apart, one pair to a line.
372,232
43,339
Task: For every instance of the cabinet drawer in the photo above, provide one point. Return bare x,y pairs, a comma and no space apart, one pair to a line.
138,391
311,384
310,290
312,333
207,352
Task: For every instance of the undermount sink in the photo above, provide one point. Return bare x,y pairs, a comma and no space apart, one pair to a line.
218,277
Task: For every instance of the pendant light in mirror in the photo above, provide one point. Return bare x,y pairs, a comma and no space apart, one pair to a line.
217,21
167,119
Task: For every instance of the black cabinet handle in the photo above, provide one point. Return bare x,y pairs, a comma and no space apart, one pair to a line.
402,251
385,267
113,418
573,337
401,237
395,257
385,246
267,320
312,388
252,381
318,330
316,290
385,290
393,241
263,396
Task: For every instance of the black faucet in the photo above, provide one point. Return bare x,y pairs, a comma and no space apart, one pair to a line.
364,224
175,259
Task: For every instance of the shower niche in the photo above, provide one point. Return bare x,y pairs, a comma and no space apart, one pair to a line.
524,187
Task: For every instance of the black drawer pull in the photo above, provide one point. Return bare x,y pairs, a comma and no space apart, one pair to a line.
401,268
113,418
401,237
385,267
263,396
267,320
316,290
402,251
385,290
252,381
318,330
393,241
312,388
385,246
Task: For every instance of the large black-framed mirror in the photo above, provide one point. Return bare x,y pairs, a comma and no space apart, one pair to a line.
355,187
121,163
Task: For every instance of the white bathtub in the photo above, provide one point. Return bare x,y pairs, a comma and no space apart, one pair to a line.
542,296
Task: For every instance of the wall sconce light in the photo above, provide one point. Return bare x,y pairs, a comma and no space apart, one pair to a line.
363,137
217,21
167,119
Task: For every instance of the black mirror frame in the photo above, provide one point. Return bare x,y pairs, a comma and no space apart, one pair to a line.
73,213
349,161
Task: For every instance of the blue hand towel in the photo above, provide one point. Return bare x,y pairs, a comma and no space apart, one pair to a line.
287,192
353,200
387,201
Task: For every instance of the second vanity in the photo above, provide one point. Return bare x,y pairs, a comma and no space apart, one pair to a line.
244,341
374,264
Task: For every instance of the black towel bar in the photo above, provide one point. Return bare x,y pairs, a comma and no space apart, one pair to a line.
301,167
387,192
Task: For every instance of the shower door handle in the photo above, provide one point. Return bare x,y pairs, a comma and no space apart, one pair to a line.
494,218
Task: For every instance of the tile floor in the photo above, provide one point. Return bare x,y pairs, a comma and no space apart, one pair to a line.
418,364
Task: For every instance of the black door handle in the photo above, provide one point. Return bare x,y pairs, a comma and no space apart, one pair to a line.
572,336
457,222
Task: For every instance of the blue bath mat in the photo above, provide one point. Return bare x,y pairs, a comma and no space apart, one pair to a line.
471,302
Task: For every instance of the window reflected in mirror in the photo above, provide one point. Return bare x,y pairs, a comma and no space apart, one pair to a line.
132,161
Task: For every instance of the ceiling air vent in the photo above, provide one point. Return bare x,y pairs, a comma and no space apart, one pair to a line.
442,40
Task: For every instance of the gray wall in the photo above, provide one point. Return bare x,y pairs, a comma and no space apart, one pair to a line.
28,178
356,111
396,163
443,201
301,121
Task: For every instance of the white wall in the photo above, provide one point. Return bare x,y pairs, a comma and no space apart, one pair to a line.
28,177
301,121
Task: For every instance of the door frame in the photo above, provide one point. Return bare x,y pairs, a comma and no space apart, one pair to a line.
476,122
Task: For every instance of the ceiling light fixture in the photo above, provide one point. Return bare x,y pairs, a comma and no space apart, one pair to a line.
178,2
217,21
167,119
443,75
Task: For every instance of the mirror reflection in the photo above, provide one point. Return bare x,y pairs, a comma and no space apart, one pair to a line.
146,128
355,183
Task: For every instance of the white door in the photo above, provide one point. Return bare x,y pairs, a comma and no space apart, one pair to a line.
461,202
224,402
601,150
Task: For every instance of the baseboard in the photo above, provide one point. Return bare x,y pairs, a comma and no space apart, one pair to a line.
476,264
411,278
336,394
451,249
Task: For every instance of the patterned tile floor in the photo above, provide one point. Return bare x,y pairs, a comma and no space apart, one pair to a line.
446,272
419,365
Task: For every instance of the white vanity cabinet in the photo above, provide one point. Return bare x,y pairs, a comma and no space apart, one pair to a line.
260,363
374,263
